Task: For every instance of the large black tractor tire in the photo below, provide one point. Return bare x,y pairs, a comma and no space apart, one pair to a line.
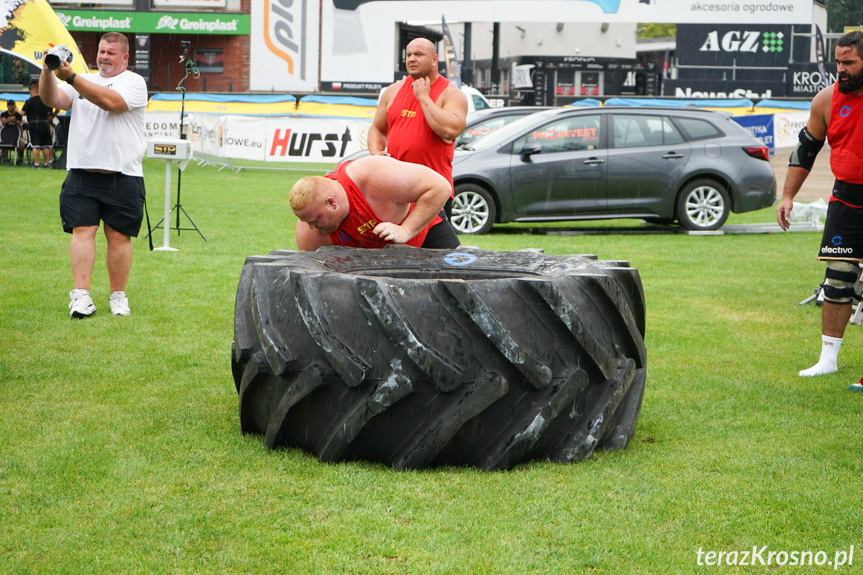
415,358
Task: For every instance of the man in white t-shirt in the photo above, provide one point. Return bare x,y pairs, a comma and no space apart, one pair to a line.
105,180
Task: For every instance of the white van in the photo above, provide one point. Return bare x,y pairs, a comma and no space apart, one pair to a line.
475,99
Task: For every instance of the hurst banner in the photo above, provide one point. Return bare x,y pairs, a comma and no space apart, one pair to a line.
277,139
30,27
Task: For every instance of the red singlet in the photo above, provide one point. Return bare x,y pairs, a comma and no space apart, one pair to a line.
409,137
845,136
356,230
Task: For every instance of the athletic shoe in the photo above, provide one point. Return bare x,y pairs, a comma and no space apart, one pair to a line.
856,386
36,166
81,305
119,303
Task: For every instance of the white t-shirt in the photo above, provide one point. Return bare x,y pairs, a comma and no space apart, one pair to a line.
100,140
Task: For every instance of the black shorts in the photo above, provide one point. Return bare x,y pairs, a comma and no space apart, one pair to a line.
40,134
116,199
441,236
843,228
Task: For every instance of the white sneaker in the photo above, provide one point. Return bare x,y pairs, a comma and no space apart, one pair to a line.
119,303
82,304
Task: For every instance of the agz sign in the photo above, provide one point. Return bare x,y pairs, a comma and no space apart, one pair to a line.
743,41
727,45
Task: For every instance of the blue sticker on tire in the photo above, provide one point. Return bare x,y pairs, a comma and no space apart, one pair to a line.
459,259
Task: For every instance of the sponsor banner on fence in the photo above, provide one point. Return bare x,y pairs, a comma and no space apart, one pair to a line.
787,126
264,139
312,140
760,126
162,125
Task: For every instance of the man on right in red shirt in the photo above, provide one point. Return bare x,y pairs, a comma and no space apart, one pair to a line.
837,115
419,118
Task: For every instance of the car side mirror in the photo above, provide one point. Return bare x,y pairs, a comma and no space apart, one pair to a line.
530,149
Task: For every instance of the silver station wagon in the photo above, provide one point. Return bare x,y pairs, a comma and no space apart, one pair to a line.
657,164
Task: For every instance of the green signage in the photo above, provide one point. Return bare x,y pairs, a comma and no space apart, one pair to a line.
154,22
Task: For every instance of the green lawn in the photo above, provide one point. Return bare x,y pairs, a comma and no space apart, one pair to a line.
120,448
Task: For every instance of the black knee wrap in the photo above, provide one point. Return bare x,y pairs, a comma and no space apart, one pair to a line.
839,286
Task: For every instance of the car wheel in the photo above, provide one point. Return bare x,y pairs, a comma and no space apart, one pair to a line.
703,205
473,210
416,358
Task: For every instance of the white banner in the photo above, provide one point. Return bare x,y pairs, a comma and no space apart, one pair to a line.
162,125
264,138
204,132
284,45
787,126
313,140
242,137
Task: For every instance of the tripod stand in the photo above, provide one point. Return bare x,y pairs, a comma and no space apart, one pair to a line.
189,68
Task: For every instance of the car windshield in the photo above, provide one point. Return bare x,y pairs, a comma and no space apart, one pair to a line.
512,129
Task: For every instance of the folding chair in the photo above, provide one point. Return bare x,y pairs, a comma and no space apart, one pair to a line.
9,136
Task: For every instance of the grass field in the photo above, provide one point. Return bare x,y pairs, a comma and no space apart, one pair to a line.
120,448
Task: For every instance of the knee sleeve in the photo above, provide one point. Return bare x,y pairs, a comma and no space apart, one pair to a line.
839,280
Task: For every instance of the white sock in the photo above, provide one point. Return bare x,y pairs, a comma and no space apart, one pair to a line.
827,363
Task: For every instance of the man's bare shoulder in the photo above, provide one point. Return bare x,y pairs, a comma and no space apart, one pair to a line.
453,91
390,92
823,99
368,164
362,168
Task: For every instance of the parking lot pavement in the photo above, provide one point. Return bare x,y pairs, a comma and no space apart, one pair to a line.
819,183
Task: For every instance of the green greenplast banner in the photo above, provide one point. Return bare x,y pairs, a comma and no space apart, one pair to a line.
154,22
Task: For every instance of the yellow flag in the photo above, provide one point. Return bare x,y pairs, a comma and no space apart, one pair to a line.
30,27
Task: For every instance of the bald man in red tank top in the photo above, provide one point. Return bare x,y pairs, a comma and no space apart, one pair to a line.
419,118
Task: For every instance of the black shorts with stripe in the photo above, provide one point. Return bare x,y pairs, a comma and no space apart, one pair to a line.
843,228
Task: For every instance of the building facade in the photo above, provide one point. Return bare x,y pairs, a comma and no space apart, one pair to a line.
213,35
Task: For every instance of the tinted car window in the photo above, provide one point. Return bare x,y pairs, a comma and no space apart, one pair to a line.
670,133
632,131
566,135
478,103
698,129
